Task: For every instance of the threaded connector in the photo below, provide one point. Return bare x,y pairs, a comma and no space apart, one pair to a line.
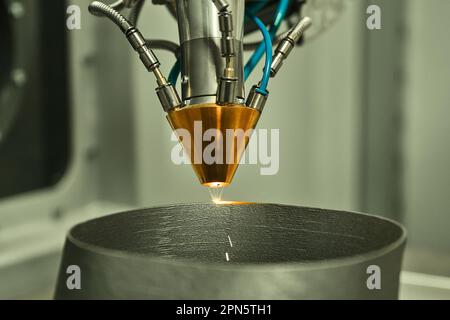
100,9
227,91
257,99
286,45
228,46
221,5
139,44
167,94
168,97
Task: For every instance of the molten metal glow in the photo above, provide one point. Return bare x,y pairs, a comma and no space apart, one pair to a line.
222,202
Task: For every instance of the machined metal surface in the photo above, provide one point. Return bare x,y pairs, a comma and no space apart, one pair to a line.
201,49
202,66
233,251
198,19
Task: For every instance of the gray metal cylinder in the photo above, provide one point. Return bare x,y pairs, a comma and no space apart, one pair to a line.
200,39
242,251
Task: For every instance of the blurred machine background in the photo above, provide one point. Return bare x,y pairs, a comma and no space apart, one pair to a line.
363,118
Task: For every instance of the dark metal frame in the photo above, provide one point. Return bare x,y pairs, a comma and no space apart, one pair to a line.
36,151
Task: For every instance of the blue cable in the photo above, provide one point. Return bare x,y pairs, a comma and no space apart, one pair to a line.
176,69
283,6
267,44
257,55
175,72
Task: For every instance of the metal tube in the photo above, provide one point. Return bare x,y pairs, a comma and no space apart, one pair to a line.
100,9
201,49
167,94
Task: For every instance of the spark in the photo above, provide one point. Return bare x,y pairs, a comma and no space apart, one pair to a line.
231,243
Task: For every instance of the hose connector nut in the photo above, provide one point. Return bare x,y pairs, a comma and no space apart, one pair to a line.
221,5
257,99
226,27
226,92
281,53
286,45
139,44
168,97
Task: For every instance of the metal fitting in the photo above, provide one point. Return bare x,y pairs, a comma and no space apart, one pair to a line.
287,44
281,53
226,27
227,91
221,5
167,94
256,99
168,97
139,44
228,83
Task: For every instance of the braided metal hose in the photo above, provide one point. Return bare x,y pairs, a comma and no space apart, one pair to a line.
167,94
100,9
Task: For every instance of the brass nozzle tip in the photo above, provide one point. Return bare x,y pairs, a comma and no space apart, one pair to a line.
222,120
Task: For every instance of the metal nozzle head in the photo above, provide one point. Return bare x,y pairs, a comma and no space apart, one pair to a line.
215,160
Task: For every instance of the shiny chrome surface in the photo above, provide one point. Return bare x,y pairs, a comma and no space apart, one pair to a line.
202,60
199,19
202,66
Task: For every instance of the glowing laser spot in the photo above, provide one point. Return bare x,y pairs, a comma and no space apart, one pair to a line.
216,195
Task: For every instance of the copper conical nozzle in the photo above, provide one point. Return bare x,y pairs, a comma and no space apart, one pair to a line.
215,138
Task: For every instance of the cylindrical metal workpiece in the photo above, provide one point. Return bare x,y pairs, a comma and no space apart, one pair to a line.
201,48
234,251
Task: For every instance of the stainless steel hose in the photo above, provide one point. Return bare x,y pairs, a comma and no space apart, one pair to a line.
103,10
